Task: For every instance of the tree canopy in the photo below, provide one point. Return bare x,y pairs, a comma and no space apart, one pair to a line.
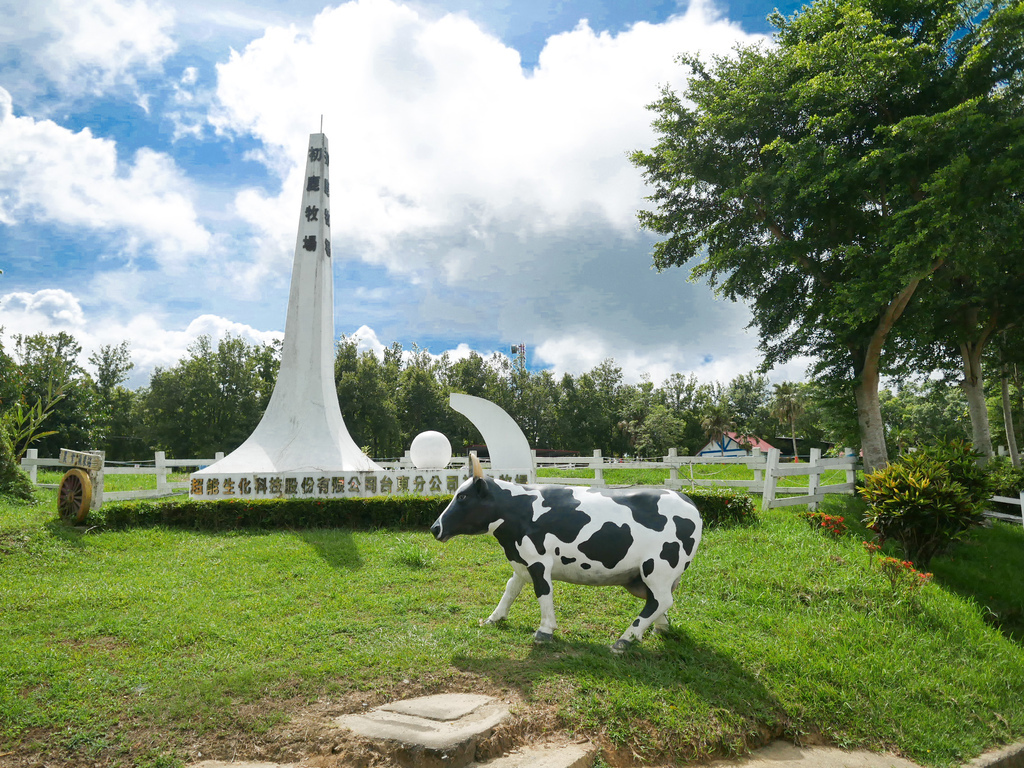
796,176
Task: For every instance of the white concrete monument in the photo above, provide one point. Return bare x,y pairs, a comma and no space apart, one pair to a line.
302,430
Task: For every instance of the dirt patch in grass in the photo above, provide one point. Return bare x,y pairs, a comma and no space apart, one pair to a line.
294,728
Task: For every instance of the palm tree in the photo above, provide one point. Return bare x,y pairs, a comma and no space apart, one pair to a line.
788,406
717,422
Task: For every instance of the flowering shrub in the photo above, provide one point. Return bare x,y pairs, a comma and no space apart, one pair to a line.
833,525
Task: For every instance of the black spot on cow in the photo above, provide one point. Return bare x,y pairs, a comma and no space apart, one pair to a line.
540,585
556,551
585,566
567,560
563,520
648,567
636,623
642,504
608,545
650,607
670,553
684,532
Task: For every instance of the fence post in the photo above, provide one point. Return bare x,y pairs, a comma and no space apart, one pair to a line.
161,473
851,473
814,479
755,453
770,479
218,455
1022,507
672,461
598,463
33,469
97,481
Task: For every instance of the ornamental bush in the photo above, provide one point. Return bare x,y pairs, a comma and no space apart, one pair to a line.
918,503
962,460
718,508
13,480
723,507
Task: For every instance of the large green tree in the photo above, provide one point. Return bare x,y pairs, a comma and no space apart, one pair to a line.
212,399
116,430
791,175
56,385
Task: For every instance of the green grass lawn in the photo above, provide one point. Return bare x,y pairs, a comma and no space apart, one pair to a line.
143,647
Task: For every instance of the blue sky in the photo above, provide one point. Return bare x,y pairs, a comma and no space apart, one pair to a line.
150,155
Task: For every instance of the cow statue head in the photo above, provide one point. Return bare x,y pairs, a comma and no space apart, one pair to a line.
471,511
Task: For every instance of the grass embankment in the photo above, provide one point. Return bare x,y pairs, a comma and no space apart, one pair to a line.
148,646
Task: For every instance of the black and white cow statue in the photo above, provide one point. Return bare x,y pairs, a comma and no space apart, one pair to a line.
638,538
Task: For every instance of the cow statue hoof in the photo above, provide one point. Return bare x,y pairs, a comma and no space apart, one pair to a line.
539,638
490,622
621,646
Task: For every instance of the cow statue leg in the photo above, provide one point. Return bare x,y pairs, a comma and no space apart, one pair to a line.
513,587
540,573
659,584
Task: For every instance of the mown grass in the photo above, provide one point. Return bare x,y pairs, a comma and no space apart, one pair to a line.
779,630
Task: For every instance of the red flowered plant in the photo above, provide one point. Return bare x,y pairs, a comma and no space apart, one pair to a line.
833,525
902,574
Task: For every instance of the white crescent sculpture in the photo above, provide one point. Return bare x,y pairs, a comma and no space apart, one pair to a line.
507,446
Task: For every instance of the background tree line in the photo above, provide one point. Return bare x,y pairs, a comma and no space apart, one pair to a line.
214,396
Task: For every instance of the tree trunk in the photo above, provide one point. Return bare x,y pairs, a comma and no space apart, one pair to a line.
973,385
866,371
869,417
1011,437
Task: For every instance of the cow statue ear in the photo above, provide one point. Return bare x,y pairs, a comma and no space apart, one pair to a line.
480,486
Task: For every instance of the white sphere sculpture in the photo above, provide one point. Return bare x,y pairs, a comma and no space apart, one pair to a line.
430,450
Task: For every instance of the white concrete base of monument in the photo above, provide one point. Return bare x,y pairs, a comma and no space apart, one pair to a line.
213,485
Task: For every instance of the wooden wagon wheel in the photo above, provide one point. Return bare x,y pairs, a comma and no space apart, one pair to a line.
74,497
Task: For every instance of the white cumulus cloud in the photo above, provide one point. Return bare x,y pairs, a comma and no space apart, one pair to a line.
51,174
436,130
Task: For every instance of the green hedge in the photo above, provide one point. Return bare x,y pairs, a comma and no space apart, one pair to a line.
718,507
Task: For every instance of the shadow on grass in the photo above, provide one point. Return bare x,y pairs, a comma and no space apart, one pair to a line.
335,545
986,568
654,671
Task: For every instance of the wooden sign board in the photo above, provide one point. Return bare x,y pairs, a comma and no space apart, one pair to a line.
87,461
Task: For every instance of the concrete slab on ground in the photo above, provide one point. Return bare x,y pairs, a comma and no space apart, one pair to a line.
546,756
782,754
441,730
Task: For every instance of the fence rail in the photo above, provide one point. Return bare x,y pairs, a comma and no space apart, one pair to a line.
1019,501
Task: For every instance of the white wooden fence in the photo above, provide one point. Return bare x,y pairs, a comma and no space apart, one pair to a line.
162,467
1008,500
767,469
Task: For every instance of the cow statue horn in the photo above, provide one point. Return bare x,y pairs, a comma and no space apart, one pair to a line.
478,470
